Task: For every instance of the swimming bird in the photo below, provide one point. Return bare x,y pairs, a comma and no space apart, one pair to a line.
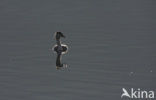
59,48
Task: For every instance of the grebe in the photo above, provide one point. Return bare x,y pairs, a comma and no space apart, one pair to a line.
59,48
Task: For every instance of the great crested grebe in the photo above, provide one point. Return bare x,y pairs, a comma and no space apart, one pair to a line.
59,48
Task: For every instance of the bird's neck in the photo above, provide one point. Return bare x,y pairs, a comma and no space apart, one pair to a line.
58,42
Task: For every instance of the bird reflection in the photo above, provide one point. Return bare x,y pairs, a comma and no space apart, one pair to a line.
60,49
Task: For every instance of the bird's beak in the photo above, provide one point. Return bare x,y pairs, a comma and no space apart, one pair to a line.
63,36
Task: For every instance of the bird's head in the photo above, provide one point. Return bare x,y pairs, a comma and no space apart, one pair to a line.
58,35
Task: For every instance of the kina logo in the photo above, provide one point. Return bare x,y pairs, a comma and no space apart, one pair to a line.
137,93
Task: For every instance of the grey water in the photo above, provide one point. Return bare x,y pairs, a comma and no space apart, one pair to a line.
112,45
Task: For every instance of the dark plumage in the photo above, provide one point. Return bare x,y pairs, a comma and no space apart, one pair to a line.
59,35
59,49
64,49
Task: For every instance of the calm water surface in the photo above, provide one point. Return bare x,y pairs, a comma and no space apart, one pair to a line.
111,46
